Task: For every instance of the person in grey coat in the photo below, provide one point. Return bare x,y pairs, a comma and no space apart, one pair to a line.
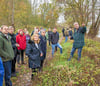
43,42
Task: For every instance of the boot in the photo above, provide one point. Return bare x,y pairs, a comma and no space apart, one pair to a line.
79,59
32,77
13,75
70,58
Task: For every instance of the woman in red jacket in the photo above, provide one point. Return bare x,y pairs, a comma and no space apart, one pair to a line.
21,40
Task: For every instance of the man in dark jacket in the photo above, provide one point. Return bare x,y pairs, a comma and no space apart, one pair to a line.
14,45
43,42
54,40
49,35
63,31
6,53
78,38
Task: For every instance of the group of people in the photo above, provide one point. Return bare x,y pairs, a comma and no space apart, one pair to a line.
14,47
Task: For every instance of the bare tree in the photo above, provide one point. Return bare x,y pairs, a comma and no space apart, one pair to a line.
13,13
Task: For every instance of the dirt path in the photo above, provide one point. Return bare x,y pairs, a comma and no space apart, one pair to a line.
24,76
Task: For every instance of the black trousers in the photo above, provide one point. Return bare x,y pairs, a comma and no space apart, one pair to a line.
21,56
13,69
41,65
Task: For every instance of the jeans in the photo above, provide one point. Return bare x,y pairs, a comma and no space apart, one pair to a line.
79,52
1,72
66,38
53,48
7,68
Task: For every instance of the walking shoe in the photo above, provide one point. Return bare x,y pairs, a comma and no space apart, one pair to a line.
70,58
79,59
16,72
23,63
13,75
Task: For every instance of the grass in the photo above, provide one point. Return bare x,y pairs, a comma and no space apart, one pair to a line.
61,72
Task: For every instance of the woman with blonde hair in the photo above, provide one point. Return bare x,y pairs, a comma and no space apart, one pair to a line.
33,51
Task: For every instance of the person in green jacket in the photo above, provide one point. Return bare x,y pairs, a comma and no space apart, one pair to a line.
78,38
6,53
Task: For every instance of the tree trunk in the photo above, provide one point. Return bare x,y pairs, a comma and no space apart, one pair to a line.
93,14
13,14
93,32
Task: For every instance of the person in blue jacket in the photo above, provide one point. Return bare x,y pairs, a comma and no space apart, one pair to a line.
1,72
43,42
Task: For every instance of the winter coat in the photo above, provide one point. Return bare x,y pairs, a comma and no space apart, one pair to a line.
78,37
49,34
1,72
13,41
54,38
43,43
6,50
21,40
34,54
